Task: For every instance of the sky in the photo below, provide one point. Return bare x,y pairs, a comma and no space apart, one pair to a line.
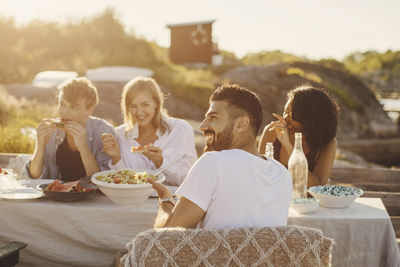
311,28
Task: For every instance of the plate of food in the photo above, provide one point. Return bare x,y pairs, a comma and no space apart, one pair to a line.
126,187
6,171
67,192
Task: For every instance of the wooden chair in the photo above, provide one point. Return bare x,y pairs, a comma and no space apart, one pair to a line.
9,254
266,246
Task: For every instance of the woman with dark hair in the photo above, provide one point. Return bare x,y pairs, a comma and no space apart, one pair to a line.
313,113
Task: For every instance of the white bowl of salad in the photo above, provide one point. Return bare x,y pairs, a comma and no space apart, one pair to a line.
335,196
126,187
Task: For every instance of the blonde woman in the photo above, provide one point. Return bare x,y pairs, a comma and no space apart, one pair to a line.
154,138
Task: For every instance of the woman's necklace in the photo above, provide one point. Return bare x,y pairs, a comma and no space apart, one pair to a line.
146,139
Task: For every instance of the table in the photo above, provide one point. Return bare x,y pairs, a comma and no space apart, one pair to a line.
89,233
86,233
363,233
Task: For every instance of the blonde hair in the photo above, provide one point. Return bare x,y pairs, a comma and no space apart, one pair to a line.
79,88
150,87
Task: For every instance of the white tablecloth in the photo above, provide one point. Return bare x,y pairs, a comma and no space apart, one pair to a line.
363,233
89,233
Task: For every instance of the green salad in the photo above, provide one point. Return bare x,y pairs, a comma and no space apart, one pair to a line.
126,177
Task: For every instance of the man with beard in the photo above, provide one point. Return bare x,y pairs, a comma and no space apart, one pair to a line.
231,185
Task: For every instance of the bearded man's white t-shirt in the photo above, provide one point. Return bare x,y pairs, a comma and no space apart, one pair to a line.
238,189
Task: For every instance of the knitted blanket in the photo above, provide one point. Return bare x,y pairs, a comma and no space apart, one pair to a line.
267,246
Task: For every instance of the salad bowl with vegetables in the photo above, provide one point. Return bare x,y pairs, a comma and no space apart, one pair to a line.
126,187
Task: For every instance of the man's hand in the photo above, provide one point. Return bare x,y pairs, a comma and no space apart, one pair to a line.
43,132
78,133
184,214
111,147
154,154
162,190
45,129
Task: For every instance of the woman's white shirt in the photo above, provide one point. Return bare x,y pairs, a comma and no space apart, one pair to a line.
178,141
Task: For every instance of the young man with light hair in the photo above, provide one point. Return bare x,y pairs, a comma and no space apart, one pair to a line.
231,185
70,147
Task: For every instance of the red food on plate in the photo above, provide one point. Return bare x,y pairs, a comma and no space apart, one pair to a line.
54,186
74,186
3,171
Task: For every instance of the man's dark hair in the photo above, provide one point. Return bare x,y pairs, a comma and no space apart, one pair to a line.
244,100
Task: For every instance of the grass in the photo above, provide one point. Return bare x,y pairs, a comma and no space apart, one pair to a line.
18,120
308,75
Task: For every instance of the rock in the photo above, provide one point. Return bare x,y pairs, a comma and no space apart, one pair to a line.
384,82
348,159
361,114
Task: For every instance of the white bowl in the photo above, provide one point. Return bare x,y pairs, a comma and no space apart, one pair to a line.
304,205
335,196
126,194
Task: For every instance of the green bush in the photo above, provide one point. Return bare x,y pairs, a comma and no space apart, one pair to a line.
369,61
18,119
269,57
308,75
345,97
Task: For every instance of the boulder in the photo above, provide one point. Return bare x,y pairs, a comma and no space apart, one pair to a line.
361,115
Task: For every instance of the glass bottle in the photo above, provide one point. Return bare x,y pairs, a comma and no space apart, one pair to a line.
298,168
269,150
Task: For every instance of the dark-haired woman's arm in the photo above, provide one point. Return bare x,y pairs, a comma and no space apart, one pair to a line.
266,136
276,129
323,167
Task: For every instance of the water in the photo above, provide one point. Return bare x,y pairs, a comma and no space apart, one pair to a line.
392,106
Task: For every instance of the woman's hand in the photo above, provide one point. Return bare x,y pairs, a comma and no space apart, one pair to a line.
111,147
154,154
281,129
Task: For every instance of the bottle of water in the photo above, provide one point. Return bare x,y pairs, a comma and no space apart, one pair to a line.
298,168
269,150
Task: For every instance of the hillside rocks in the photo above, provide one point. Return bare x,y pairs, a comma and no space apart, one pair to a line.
361,114
384,82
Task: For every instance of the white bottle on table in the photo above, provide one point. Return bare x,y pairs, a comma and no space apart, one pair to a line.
269,150
298,168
